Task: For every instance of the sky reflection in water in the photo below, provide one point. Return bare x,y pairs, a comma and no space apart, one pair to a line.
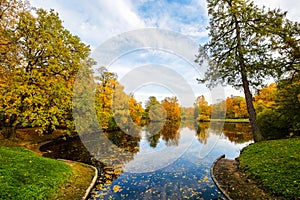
174,164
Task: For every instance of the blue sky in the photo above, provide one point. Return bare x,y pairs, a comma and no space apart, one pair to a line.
98,21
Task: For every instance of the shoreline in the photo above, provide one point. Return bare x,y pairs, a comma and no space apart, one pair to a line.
227,120
93,182
234,183
214,178
34,144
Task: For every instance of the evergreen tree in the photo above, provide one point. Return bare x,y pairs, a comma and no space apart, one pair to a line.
242,47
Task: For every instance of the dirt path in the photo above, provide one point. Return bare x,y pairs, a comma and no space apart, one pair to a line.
235,183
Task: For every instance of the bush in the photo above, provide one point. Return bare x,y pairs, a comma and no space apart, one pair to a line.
272,124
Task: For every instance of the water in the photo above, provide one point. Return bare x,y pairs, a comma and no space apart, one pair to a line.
171,163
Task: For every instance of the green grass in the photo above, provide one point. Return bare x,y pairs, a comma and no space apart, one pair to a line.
25,175
276,165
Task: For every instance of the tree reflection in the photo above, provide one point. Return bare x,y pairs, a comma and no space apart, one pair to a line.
170,133
153,133
237,132
124,141
70,148
202,132
190,124
111,158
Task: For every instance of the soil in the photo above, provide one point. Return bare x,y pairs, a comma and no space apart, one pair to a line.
30,139
235,183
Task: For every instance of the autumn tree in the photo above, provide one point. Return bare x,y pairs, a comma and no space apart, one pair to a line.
187,113
236,107
123,112
242,47
265,97
171,106
204,109
37,83
106,84
114,107
10,12
219,109
136,109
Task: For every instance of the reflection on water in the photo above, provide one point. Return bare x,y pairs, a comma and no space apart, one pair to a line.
170,133
166,161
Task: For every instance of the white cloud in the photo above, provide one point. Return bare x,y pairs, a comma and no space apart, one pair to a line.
292,6
96,21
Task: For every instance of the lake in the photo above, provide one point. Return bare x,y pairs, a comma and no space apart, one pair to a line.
170,162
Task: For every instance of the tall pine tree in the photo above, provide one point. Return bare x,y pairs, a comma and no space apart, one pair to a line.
241,48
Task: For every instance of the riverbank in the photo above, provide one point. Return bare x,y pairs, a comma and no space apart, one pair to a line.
227,120
73,185
266,170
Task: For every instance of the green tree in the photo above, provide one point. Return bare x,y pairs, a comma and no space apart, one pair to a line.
187,113
286,41
279,108
154,110
288,102
37,87
241,47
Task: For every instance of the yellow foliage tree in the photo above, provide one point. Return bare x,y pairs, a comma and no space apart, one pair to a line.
171,106
204,109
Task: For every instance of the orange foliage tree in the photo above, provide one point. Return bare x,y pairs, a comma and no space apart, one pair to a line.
171,106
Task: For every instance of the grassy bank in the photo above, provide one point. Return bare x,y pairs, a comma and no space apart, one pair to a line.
275,165
25,175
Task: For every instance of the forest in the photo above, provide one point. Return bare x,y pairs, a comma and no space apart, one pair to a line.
40,58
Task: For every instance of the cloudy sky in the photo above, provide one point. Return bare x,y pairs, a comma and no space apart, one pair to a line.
101,24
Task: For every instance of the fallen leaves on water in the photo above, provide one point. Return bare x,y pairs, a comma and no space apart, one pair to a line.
116,188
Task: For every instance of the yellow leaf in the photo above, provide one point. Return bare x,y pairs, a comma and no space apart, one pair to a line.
116,188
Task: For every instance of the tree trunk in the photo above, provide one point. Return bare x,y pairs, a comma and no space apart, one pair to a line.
12,132
257,136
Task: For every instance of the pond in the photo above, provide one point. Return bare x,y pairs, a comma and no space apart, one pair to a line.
170,163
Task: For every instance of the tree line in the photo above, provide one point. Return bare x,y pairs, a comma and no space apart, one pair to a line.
40,59
277,107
